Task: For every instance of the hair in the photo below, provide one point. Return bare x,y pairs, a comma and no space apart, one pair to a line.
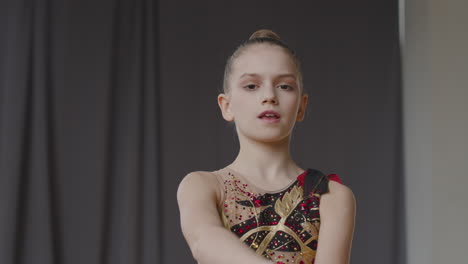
261,36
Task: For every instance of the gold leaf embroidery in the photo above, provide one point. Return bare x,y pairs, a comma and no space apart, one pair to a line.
285,205
309,227
308,254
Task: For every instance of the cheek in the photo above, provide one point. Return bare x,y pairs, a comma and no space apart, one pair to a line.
292,103
239,105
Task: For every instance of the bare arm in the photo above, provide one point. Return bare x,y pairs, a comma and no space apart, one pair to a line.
201,225
337,213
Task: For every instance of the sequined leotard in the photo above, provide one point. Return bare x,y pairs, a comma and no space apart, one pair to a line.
283,225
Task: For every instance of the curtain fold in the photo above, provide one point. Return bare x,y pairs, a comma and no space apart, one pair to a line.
79,132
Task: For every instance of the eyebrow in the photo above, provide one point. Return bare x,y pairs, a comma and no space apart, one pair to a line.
277,76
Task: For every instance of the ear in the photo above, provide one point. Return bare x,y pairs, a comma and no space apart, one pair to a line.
302,107
224,105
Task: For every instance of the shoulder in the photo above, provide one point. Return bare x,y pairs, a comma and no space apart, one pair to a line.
198,182
339,199
337,213
199,176
196,197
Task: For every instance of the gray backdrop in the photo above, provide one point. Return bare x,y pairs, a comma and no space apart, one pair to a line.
350,56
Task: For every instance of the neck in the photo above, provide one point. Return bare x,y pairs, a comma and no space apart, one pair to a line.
267,161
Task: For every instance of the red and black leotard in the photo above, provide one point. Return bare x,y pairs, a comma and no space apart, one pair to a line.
281,225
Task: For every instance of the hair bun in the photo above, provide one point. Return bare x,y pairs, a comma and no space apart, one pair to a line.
265,33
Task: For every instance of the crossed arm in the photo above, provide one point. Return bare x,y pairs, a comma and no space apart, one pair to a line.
211,243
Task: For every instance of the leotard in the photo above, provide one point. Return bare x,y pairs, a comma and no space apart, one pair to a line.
281,225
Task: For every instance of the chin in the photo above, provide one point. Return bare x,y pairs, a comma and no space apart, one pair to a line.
267,137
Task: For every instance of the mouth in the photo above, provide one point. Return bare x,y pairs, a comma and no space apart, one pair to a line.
270,116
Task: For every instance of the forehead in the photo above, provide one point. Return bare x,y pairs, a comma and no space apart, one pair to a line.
263,59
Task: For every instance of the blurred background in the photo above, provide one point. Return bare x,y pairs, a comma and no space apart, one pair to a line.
106,105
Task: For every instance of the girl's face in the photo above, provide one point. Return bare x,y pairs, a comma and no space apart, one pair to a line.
263,77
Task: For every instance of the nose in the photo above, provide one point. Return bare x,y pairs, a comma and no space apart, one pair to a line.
269,95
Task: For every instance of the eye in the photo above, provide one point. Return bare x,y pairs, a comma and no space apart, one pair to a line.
286,87
250,86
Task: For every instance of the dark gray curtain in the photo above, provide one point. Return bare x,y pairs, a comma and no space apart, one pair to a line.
106,105
78,132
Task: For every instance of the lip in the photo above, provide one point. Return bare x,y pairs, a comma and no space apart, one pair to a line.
270,119
269,112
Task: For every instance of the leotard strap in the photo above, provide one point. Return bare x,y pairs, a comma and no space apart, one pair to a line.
334,177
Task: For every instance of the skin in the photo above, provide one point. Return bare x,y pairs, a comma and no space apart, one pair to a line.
263,77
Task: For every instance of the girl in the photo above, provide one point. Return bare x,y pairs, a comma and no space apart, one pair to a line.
263,207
